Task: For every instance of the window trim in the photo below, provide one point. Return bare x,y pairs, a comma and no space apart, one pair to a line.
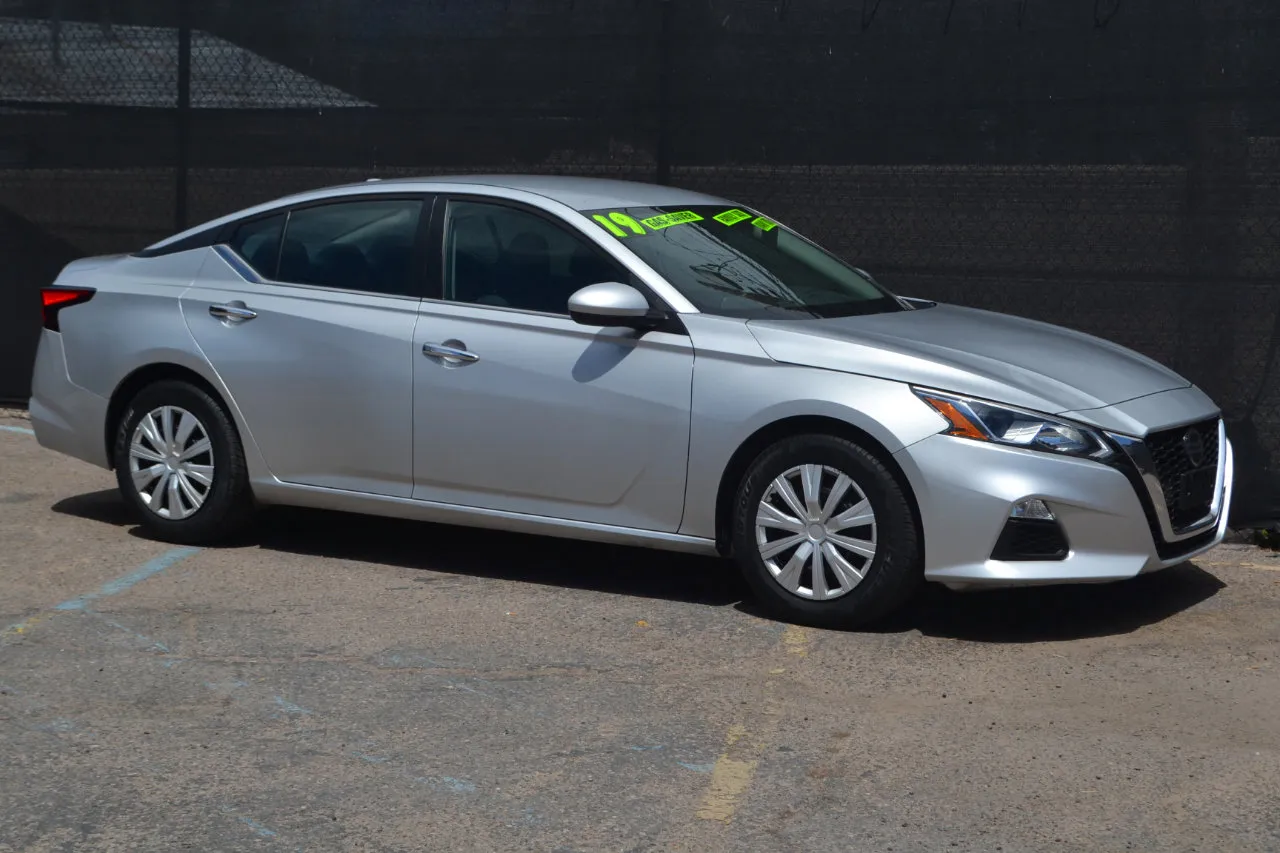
202,239
417,282
228,232
436,259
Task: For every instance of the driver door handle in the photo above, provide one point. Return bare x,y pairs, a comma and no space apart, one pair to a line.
236,311
448,354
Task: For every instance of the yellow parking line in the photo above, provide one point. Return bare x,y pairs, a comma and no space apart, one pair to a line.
796,640
730,777
733,771
20,628
729,780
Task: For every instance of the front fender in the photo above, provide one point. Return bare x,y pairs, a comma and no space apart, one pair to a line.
730,405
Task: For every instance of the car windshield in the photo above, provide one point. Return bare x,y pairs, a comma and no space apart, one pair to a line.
728,261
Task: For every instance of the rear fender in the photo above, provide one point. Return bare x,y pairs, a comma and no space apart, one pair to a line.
133,324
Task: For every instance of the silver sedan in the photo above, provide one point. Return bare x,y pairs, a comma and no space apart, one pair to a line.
627,363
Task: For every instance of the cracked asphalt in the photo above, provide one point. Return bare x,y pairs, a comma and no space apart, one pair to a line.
349,683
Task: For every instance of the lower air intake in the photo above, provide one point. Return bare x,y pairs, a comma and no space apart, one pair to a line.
1025,539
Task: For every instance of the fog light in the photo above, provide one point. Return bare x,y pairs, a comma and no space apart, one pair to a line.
1032,508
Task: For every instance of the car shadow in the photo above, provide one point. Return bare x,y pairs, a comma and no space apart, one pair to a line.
1028,615
1054,613
106,506
472,552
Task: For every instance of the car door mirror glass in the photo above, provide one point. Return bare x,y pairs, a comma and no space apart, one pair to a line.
611,303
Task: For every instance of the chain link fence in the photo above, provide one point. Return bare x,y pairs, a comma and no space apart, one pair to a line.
1108,165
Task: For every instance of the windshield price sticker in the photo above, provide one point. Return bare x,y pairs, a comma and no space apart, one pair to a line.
764,224
666,220
731,217
620,224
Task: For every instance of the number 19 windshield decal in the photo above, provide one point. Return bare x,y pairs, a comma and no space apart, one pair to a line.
616,219
623,224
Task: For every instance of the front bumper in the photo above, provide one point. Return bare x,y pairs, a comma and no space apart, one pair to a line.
965,490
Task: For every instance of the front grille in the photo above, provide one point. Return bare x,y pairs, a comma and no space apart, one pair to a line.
1030,539
1175,550
1186,461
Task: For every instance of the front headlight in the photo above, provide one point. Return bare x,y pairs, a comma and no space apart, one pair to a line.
983,421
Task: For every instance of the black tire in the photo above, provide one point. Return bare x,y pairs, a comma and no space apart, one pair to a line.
889,578
228,503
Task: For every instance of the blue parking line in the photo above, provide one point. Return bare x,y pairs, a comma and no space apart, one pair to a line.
121,584
258,828
23,430
81,603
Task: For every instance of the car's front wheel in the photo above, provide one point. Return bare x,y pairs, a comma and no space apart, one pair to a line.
824,533
179,462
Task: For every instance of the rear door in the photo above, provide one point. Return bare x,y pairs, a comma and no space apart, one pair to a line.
310,328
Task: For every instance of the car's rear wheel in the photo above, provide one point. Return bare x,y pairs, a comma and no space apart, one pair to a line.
179,462
824,533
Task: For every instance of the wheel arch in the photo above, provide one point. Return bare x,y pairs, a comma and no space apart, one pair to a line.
760,440
132,384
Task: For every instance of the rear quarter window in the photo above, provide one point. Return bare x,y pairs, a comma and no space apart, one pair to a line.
258,242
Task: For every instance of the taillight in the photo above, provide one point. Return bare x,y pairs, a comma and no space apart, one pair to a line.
56,298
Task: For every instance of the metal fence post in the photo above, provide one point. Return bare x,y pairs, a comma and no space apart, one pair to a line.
1216,186
55,32
183,117
666,35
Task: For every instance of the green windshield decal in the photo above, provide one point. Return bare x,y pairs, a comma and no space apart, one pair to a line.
613,229
764,224
666,220
731,217
615,219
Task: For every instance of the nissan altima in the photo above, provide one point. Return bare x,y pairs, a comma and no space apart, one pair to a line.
627,363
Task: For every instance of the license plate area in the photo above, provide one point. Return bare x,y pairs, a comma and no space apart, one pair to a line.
1195,488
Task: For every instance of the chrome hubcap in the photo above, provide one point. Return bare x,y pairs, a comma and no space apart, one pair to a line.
171,462
816,532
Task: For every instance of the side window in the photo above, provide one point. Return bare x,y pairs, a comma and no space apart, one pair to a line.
504,256
357,245
258,242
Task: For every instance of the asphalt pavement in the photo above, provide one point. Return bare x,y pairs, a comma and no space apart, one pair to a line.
340,682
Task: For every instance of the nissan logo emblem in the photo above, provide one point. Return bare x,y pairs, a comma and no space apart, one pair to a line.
1193,444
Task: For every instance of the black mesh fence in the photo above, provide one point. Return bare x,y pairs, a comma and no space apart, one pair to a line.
1108,165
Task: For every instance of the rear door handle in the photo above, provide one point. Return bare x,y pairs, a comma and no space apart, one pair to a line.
234,311
449,354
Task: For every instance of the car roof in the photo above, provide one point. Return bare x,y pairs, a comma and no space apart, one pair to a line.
578,193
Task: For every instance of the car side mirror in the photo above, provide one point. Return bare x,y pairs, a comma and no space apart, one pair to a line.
613,303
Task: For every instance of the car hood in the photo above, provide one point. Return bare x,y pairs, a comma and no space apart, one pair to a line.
978,353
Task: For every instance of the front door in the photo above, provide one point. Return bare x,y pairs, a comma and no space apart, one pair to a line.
519,408
309,321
